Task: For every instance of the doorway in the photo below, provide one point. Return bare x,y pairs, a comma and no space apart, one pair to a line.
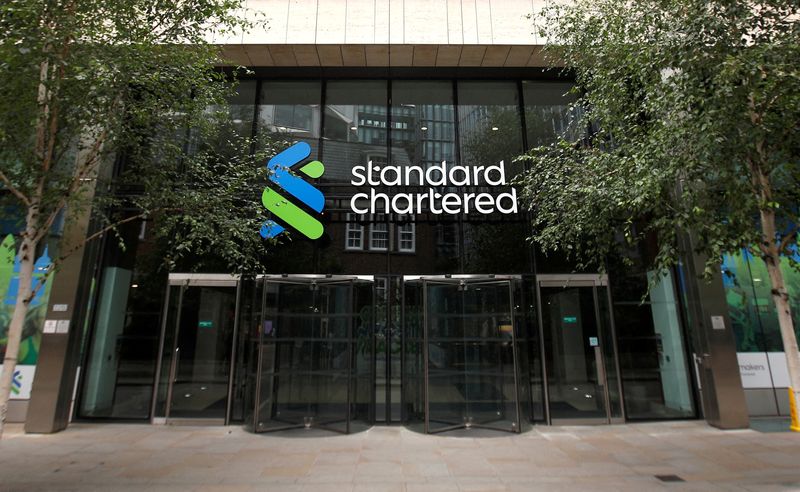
469,368
579,350
201,334
315,354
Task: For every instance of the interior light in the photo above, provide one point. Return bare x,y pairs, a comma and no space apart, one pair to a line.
424,128
494,128
354,128
134,286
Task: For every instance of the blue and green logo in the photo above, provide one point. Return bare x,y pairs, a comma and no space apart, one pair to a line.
294,216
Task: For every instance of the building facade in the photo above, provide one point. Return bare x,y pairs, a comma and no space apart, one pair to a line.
420,302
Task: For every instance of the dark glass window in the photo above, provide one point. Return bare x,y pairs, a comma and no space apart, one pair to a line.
548,115
490,134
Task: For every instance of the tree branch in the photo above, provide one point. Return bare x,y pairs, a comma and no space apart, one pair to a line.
13,189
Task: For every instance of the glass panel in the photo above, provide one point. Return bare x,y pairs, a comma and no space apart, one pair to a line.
471,367
652,356
423,135
203,358
355,127
364,328
120,366
172,310
290,110
307,357
413,363
490,132
573,351
548,115
244,386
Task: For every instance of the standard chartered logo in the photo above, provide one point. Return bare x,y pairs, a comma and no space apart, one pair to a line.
452,189
295,186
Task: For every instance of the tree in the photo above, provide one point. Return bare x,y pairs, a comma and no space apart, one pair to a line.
694,112
92,85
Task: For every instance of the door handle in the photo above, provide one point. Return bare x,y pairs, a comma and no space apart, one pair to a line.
177,361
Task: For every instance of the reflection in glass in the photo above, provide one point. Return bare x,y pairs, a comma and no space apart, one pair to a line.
290,111
354,127
121,359
548,113
490,131
203,353
652,356
468,360
315,356
574,354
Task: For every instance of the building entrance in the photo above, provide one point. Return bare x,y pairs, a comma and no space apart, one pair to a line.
581,371
314,353
468,359
201,331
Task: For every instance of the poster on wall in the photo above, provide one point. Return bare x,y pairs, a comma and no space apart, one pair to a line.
34,321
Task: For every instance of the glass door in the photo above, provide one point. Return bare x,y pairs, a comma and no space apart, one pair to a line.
582,386
315,366
469,355
202,350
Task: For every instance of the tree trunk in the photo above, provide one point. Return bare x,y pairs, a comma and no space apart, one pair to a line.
781,298
27,253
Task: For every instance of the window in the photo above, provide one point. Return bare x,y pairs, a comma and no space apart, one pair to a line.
406,237
379,233
354,233
381,289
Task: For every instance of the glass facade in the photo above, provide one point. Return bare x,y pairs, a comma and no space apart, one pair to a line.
437,320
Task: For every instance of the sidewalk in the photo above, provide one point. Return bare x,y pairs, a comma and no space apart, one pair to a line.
622,457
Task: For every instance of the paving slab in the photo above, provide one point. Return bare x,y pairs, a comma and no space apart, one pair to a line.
685,455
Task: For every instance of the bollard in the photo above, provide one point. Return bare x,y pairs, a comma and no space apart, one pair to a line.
795,425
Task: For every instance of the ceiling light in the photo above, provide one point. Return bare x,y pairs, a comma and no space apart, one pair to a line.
424,128
494,128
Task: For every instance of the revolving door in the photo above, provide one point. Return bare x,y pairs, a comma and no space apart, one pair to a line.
461,355
310,353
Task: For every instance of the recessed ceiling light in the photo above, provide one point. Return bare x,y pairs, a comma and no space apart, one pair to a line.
424,128
354,128
134,286
494,128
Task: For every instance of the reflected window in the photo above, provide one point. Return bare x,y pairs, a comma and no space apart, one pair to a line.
290,110
355,233
406,237
489,124
549,115
354,126
379,233
423,123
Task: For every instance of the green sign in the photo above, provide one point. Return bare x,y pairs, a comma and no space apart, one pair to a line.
570,319
205,324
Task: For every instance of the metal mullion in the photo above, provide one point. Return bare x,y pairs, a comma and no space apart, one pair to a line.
542,355
514,354
613,328
600,334
173,360
351,356
260,356
425,355
234,340
161,342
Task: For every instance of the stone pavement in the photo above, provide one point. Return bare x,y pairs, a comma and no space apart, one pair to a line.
622,457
